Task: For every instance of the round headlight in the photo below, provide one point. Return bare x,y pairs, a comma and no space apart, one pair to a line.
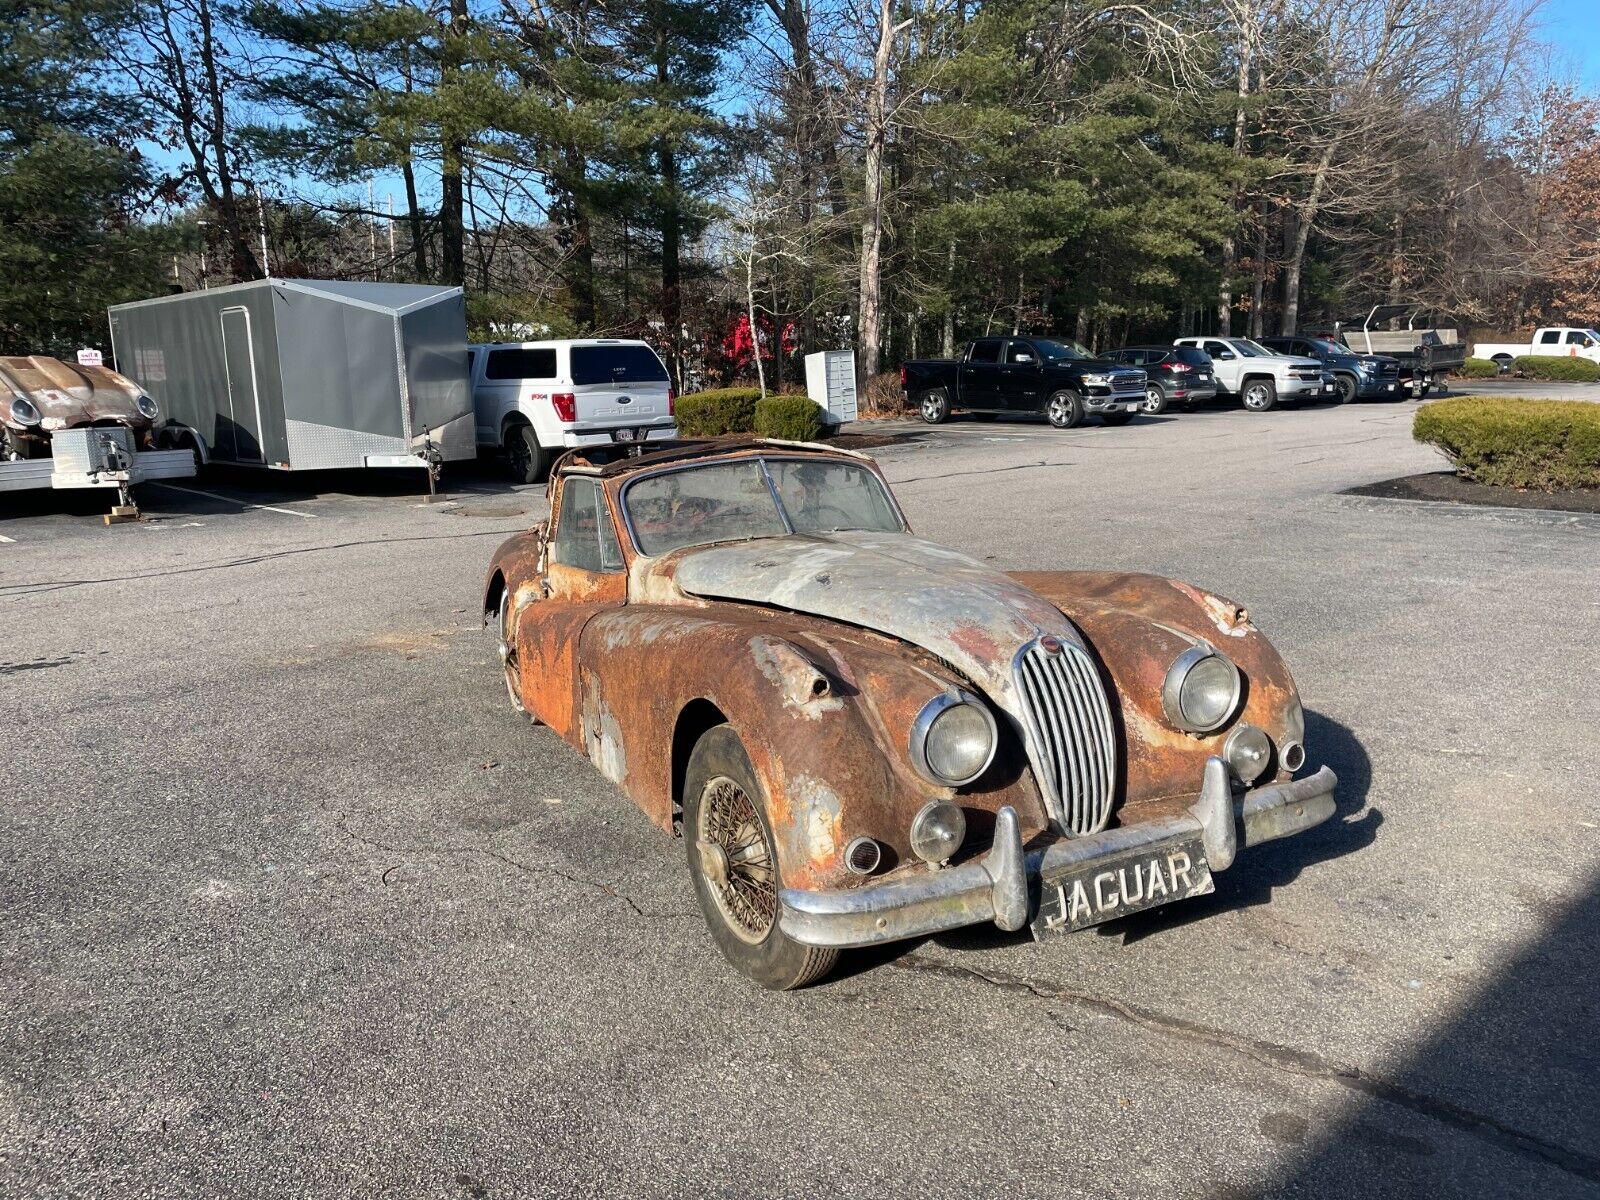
937,831
1201,691
23,412
148,408
953,739
1248,752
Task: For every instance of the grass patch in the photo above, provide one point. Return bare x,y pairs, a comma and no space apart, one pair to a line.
1550,366
1543,445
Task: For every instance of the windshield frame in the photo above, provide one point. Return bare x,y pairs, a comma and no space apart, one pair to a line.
760,460
1076,351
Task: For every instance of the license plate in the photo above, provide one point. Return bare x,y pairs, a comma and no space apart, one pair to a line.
1127,883
1134,407
623,435
1203,378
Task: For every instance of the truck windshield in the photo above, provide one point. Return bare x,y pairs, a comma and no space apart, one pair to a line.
1251,349
733,501
1052,349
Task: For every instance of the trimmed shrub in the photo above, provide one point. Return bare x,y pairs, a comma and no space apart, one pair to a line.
792,418
1550,366
713,413
1479,368
1543,445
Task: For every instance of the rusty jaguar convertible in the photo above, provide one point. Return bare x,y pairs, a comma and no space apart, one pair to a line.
863,736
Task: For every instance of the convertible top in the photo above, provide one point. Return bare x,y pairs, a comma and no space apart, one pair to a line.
609,461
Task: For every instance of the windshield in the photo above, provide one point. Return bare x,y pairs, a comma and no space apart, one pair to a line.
733,501
1253,349
1053,349
1328,347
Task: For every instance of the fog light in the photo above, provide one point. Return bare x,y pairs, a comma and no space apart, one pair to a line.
1248,752
937,831
1293,756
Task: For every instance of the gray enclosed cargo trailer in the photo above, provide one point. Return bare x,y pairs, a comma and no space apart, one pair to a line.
300,374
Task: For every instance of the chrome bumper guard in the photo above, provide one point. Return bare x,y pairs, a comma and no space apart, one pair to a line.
997,887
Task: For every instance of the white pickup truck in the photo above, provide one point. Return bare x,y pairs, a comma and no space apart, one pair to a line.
1558,341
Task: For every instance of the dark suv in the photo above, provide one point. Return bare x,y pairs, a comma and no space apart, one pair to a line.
1181,375
1355,376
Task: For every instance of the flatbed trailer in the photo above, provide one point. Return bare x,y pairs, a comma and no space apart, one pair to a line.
95,457
1426,354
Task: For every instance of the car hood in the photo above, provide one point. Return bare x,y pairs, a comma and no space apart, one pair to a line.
68,395
955,607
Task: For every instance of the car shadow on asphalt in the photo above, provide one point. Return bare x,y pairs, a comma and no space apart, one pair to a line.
1250,882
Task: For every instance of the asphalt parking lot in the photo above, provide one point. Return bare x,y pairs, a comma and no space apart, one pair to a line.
293,904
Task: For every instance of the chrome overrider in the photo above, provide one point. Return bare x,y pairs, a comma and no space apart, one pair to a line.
996,887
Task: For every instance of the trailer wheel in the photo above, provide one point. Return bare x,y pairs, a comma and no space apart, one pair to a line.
528,459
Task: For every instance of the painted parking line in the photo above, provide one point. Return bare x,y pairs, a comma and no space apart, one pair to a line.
234,500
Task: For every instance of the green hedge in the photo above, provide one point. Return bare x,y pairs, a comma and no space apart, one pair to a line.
1544,445
724,410
1549,366
1479,368
793,418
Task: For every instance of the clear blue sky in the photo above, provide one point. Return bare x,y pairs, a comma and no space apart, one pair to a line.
1573,28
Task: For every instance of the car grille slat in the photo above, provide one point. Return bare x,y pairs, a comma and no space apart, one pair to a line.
1071,741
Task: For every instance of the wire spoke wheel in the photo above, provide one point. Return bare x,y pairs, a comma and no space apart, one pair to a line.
737,860
508,653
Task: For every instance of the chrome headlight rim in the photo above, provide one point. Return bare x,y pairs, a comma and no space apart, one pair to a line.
148,408
24,411
1172,690
922,726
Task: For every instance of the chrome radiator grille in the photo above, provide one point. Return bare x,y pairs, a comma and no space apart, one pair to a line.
1074,749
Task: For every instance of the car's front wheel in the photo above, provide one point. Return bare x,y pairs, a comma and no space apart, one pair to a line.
508,651
1064,410
1155,401
934,406
1344,389
734,865
1260,395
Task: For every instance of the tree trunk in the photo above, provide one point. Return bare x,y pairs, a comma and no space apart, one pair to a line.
869,314
1229,248
947,335
452,194
1258,286
1303,219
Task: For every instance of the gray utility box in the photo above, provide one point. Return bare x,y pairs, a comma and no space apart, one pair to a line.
301,374
831,383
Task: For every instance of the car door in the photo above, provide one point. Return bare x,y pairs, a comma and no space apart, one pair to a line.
1022,382
979,375
584,574
1227,363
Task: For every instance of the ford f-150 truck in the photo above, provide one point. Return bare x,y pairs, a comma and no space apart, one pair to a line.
1058,378
1558,341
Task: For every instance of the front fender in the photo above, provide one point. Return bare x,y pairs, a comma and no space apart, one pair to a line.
823,715
1137,625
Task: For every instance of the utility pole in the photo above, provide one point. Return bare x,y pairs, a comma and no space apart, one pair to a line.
261,220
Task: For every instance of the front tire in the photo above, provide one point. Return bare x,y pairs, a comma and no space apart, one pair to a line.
528,459
508,652
734,865
1344,389
1155,401
1260,395
1064,410
934,405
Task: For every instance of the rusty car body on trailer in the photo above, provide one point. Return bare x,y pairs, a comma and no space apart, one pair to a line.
864,736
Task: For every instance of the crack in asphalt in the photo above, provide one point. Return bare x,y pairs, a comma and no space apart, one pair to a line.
504,859
1032,466
1285,1058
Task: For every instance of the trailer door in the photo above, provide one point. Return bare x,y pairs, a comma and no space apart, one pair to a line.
243,424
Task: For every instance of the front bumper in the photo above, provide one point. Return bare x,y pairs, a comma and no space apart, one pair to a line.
1304,389
1104,400
1003,885
1379,387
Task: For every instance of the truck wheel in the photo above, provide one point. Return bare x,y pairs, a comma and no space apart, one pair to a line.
934,406
1344,389
1260,395
734,866
1155,401
1505,362
1064,410
527,458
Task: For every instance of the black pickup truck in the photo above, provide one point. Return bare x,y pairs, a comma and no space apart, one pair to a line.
1058,378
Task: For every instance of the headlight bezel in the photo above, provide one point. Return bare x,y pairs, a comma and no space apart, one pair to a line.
148,408
923,725
25,411
1096,379
1172,690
